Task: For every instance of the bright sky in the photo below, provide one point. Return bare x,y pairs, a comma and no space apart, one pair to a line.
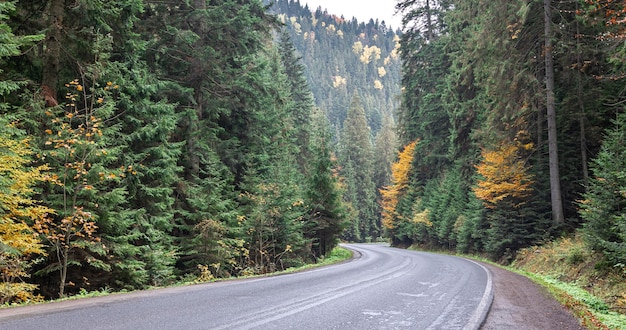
363,10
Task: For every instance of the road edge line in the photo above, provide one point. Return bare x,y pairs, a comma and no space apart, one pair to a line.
480,315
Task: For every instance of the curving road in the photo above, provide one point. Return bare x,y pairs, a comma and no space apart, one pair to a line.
381,288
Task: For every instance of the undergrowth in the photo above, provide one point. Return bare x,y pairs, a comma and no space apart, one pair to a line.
338,254
595,293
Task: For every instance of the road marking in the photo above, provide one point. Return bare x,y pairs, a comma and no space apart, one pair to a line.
485,303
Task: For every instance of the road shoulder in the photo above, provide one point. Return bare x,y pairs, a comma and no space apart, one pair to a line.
519,303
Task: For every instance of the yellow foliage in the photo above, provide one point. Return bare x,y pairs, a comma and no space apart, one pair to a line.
381,71
422,217
369,54
378,84
339,81
399,182
357,47
504,175
18,242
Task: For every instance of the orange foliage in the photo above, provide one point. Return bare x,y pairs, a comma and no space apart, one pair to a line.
504,175
399,182
610,13
74,148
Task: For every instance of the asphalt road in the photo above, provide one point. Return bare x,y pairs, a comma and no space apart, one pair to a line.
382,288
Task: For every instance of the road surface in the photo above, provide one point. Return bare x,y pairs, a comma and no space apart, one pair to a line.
381,288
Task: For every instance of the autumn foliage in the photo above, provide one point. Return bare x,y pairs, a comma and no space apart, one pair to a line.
399,182
504,175
18,242
74,148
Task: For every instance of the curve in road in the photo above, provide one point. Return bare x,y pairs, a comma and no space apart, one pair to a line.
381,288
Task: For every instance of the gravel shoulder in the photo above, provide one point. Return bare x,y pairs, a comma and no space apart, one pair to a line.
519,303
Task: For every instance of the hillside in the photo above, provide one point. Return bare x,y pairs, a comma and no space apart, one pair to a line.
343,57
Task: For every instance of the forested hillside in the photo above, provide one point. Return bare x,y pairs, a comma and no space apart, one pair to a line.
145,143
513,127
353,69
342,57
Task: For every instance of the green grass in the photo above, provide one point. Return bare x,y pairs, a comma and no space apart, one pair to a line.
592,311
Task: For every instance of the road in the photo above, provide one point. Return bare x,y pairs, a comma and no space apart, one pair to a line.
381,288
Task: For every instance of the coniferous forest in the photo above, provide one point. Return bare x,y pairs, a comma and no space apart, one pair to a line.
145,143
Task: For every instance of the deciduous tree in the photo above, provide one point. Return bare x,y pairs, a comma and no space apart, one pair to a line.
18,212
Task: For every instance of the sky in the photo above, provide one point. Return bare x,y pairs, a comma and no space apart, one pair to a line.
363,10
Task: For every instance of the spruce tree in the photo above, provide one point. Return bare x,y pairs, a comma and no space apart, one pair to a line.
356,155
327,214
605,202
301,96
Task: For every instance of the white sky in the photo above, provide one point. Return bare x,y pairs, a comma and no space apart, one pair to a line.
363,10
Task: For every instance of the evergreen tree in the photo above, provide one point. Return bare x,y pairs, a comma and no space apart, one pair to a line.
138,231
301,96
385,146
357,155
326,215
272,197
605,201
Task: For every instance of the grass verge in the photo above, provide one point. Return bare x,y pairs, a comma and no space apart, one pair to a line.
570,272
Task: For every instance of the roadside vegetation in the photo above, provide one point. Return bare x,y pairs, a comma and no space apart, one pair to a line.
337,255
572,273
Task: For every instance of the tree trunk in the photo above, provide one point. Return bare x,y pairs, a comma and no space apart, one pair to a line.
63,260
581,116
54,15
430,34
553,153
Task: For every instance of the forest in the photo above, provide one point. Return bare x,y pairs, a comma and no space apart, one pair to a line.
146,143
512,121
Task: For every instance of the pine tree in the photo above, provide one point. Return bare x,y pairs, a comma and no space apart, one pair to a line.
138,231
272,192
385,146
555,177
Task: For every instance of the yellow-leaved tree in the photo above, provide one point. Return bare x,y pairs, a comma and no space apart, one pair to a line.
399,182
18,210
506,190
504,175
